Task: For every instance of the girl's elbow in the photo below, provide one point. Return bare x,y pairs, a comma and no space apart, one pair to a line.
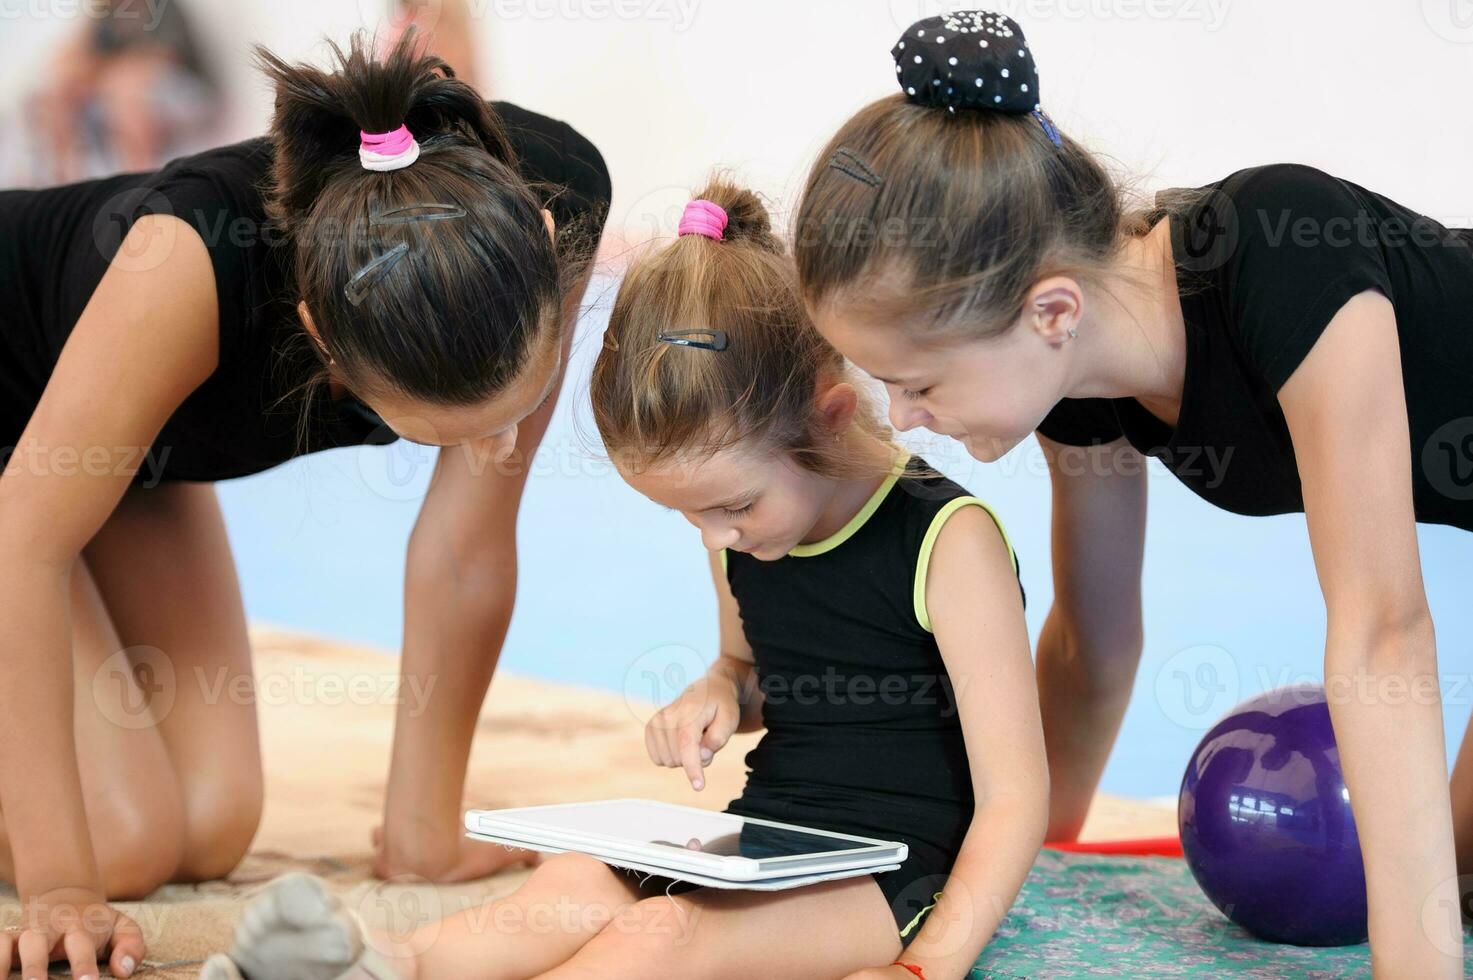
1387,640
1026,809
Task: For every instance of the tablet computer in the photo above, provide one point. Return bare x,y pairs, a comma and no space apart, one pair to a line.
695,878
670,837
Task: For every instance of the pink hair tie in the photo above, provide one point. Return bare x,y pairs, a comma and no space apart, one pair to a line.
393,150
701,217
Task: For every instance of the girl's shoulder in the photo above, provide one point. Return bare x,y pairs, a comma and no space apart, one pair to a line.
559,160
1268,254
929,502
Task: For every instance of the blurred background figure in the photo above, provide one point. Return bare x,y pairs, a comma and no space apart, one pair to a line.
126,91
136,83
446,28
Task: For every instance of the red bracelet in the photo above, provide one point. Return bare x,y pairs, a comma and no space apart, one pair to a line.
912,968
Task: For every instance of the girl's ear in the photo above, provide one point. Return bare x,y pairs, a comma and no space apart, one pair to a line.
1053,309
836,406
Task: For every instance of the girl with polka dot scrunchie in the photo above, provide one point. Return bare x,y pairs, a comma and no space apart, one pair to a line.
1015,290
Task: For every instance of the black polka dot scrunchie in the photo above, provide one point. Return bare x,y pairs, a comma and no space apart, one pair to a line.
971,59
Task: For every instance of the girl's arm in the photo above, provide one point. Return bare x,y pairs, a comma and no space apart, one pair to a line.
1347,415
975,607
460,587
147,338
1090,645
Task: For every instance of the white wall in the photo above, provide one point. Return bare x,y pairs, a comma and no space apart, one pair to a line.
1180,90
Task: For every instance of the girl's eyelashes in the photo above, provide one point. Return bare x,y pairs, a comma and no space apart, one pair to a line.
912,394
737,512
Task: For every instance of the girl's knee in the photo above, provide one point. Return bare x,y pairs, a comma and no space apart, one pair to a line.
221,820
139,843
578,874
659,935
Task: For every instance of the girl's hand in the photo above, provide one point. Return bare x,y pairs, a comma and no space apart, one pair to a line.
72,925
689,731
463,859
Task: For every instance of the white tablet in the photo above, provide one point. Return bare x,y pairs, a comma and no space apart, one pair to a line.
667,837
761,884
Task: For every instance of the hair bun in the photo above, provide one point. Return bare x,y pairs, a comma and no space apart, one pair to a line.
971,59
747,218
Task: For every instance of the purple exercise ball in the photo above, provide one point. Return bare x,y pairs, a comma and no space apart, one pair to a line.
1266,826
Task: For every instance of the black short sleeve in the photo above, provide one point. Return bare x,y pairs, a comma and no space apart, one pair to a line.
562,164
219,195
1081,422
1306,243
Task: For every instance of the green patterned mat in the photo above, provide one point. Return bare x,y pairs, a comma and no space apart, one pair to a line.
1084,915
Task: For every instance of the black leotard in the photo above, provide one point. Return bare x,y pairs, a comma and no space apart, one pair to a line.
862,729
55,245
1265,260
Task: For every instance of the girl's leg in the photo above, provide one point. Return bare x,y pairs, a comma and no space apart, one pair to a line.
297,928
822,931
131,795
163,565
567,900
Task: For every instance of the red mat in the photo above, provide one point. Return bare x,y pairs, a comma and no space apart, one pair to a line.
1142,847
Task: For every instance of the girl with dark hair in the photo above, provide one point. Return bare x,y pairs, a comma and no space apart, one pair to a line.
1282,340
398,258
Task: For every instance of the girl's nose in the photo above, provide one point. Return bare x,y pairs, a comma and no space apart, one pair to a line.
906,417
718,538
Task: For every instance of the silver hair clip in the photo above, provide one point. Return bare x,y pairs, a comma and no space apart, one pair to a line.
405,214
704,339
849,163
373,273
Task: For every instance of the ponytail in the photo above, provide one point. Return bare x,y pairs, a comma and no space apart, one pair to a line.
447,311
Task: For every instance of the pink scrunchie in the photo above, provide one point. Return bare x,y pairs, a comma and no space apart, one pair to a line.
701,217
393,150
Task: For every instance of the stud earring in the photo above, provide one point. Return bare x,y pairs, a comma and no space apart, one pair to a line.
1073,333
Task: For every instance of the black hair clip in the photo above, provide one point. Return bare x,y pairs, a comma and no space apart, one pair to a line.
373,273
704,339
849,163
406,214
